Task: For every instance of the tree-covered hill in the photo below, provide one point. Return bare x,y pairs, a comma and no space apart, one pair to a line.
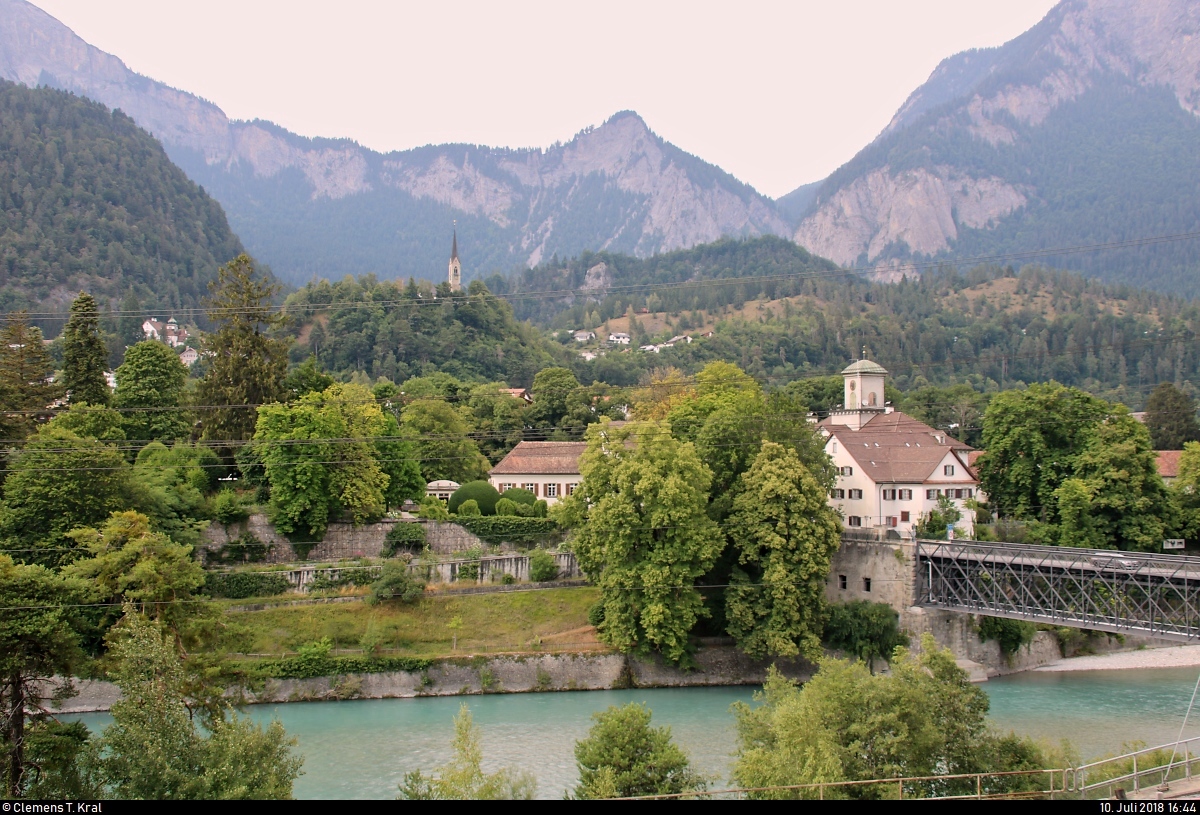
88,200
389,329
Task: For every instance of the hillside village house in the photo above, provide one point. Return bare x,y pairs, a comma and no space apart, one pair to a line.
891,467
169,332
548,469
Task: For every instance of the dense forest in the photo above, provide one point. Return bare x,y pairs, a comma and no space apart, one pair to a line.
773,309
90,201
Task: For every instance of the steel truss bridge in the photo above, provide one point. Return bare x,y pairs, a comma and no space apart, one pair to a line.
1121,592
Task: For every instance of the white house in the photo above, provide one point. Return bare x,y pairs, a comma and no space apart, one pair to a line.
584,335
548,469
441,489
189,357
618,339
891,467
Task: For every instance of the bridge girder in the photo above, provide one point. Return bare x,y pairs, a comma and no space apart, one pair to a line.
1120,592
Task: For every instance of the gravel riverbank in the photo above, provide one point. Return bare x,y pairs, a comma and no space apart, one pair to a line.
1180,656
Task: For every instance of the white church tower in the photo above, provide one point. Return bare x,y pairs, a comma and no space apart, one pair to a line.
863,389
455,266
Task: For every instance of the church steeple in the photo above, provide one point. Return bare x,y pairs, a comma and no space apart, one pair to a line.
455,266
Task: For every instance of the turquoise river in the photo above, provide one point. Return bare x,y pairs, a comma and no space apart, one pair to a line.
362,749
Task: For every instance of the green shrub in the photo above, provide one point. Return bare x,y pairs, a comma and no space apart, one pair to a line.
469,508
481,492
239,585
1010,634
395,583
867,630
541,509
468,572
404,537
506,507
346,577
315,660
522,532
246,548
228,508
432,509
596,615
520,496
542,566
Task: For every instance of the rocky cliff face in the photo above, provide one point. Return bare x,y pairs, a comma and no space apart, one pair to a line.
960,154
294,200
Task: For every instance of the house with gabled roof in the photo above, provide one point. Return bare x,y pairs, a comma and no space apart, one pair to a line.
548,469
892,468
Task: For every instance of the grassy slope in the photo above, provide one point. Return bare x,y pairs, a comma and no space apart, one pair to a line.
509,621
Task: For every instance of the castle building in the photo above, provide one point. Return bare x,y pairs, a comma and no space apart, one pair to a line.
892,469
455,266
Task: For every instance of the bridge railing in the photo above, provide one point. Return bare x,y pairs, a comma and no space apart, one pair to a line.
1141,769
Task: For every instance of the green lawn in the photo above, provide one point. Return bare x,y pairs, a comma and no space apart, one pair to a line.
509,621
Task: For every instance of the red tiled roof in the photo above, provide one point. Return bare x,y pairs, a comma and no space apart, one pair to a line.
548,457
1168,463
895,448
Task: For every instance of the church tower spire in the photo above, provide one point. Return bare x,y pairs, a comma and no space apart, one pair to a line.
455,266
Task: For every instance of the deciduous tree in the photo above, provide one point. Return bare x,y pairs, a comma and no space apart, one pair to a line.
645,536
150,391
463,777
785,535
624,756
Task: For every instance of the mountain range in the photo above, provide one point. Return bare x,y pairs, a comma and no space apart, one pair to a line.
1083,130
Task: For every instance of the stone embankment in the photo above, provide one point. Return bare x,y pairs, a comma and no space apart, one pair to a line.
719,665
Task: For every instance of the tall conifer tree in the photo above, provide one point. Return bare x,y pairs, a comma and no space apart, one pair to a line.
25,372
247,366
85,358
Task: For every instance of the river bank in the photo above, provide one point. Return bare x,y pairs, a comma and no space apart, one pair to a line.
1174,656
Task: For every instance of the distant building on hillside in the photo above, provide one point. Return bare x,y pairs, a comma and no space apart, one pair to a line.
618,339
548,469
169,332
584,336
892,469
455,266
519,393
189,357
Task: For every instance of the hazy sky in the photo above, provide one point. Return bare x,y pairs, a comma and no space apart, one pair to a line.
779,94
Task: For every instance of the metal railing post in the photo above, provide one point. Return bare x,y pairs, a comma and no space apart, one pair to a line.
1135,773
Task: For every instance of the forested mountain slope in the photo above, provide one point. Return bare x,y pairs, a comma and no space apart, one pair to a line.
1083,130
88,200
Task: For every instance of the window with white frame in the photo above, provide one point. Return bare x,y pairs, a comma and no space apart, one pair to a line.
948,469
855,495
931,494
531,487
853,520
551,490
905,495
506,487
889,495
571,489
847,471
837,494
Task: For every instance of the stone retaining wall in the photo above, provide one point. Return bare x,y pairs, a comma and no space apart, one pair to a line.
342,541
716,666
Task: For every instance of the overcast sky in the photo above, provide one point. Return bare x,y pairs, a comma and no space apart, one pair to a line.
778,94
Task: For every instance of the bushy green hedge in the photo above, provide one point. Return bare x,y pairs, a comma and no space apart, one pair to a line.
239,585
247,548
315,660
404,537
543,566
510,529
867,630
481,492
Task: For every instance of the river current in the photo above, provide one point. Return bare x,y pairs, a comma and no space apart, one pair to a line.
363,748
